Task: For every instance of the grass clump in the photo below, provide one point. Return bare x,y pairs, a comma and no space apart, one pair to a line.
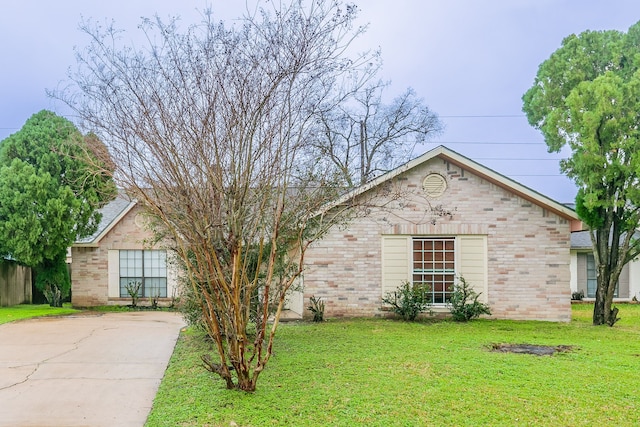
26,311
379,372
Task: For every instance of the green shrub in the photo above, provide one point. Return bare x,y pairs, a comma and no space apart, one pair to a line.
190,305
52,278
577,296
408,300
464,304
133,289
316,306
154,300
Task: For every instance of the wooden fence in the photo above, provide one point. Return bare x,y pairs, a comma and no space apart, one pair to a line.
15,284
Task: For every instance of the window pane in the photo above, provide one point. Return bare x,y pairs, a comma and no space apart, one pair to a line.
591,276
130,270
130,263
434,266
155,274
131,281
155,264
154,287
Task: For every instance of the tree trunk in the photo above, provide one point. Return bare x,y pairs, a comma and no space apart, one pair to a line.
246,383
609,257
603,314
598,309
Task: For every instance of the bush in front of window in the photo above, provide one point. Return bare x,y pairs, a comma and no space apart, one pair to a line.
133,289
154,300
408,300
577,296
464,304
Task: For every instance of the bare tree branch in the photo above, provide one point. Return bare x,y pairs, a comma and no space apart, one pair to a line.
209,129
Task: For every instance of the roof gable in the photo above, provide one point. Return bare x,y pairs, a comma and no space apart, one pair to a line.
473,167
112,213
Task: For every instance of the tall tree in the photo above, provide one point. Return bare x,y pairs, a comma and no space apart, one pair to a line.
52,183
208,127
587,96
363,137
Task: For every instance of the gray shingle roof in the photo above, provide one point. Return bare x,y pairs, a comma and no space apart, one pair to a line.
110,213
580,240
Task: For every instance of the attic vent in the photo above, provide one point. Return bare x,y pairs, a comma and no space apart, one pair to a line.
434,185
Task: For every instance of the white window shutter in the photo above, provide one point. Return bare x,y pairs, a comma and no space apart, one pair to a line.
472,263
113,268
396,267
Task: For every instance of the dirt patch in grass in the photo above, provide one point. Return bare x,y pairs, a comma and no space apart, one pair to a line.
535,349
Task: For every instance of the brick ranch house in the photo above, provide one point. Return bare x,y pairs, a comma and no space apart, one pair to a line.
117,254
449,217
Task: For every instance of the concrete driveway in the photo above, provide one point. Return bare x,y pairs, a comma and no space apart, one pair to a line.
84,370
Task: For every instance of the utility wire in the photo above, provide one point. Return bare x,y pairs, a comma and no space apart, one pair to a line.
482,116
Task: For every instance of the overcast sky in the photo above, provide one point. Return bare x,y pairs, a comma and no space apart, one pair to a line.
469,60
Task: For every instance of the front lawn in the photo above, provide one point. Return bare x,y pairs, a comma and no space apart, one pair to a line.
25,311
391,373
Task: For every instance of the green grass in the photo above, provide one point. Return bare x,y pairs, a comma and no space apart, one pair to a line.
392,373
26,311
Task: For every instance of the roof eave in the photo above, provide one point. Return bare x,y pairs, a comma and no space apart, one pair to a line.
85,245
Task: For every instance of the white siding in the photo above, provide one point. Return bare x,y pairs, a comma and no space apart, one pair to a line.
172,275
634,279
472,263
573,268
113,267
396,266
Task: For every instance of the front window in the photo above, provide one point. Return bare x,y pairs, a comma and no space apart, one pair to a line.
592,281
434,267
145,269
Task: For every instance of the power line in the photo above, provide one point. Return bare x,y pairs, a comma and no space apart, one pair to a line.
448,116
482,116
535,175
516,159
488,142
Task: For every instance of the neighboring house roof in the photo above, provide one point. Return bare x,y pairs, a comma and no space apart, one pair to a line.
473,167
112,213
580,240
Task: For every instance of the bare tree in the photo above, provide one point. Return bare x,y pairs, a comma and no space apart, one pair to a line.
364,137
207,128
